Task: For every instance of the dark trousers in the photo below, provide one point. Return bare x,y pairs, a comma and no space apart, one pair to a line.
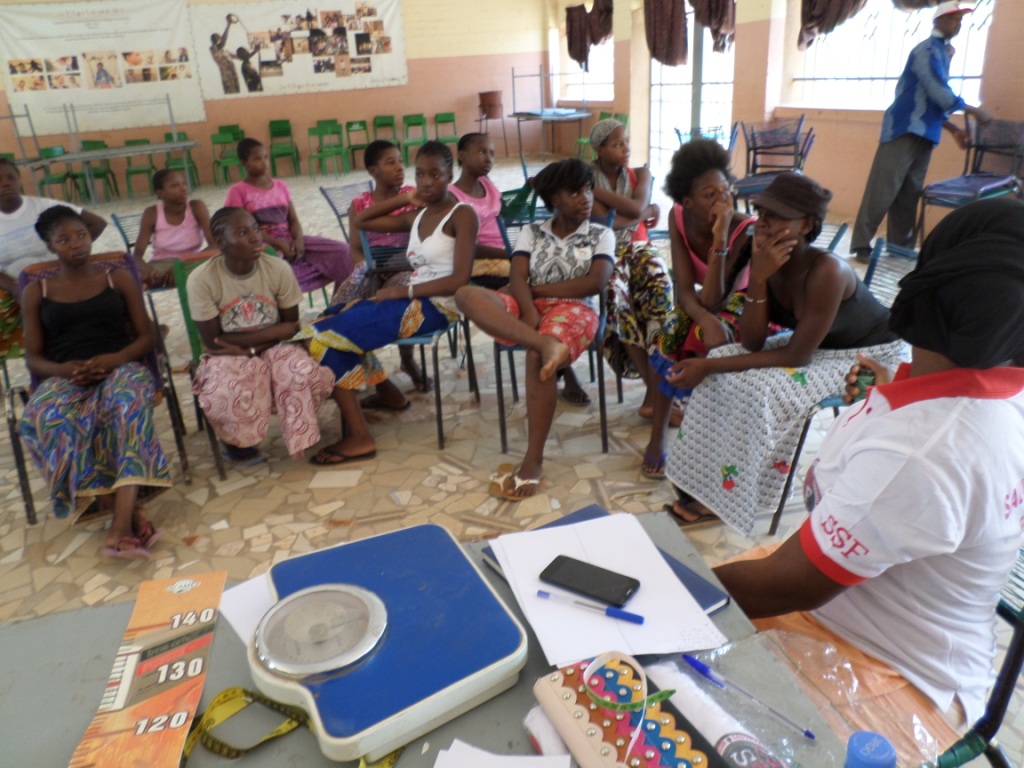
893,188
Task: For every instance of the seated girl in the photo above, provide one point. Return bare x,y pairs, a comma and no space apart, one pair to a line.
316,261
176,226
245,303
476,159
707,237
550,307
640,292
742,423
384,162
441,244
89,423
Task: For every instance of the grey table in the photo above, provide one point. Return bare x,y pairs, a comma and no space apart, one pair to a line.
550,117
53,671
95,155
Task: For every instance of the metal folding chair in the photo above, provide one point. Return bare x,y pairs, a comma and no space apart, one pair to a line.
993,166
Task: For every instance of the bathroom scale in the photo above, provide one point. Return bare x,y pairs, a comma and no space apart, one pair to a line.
384,639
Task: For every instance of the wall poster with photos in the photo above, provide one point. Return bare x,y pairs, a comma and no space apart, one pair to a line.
278,48
78,54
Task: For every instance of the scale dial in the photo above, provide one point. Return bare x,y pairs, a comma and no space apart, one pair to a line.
320,629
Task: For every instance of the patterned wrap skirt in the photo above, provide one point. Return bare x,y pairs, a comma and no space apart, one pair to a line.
640,300
344,340
90,441
238,394
735,446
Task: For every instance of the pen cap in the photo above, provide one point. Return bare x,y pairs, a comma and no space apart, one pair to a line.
867,749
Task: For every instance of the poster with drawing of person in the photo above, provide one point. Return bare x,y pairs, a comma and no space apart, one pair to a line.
274,48
91,62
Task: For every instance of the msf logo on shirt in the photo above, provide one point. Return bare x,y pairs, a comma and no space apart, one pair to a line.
839,536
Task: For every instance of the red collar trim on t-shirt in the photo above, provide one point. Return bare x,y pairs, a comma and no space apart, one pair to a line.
989,384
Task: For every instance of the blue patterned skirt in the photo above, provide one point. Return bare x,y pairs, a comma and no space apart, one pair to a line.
89,441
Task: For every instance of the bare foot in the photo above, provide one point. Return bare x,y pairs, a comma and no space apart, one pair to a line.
553,355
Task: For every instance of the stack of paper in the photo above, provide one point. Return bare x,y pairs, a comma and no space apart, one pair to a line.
673,621
462,755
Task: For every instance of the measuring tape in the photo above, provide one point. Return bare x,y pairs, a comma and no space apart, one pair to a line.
230,702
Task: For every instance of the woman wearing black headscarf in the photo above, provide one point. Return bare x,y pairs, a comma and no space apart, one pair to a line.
916,498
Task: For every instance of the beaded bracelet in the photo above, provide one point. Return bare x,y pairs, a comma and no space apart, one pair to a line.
749,300
719,252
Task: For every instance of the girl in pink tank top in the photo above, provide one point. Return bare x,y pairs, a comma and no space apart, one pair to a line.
707,236
176,226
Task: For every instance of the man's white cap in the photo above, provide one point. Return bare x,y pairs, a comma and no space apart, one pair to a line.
951,6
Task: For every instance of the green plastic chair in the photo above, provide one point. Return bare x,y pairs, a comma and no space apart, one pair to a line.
234,129
355,127
185,163
225,157
385,122
446,118
282,144
50,178
326,146
139,165
182,269
100,170
409,124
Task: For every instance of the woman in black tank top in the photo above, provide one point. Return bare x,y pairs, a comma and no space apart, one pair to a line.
89,422
736,445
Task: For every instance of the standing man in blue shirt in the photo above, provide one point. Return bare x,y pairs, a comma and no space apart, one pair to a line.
910,130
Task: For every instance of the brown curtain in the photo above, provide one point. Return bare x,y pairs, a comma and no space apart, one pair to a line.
819,17
719,16
584,29
666,31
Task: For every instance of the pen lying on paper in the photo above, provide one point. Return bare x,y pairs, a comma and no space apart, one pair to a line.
721,682
615,613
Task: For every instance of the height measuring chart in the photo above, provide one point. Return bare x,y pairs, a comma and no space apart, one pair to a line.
158,675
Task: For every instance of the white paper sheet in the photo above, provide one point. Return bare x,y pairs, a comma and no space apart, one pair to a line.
245,604
674,622
463,755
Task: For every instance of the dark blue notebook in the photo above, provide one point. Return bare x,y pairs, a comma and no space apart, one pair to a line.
710,597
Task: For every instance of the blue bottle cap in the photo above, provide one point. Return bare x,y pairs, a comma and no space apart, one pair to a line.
867,749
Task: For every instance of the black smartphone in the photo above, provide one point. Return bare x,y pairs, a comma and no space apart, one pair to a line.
590,580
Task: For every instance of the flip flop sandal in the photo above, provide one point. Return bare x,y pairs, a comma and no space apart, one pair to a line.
127,548
502,491
338,458
374,402
578,399
702,517
659,462
148,535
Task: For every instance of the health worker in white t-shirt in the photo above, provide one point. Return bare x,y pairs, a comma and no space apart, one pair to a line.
916,497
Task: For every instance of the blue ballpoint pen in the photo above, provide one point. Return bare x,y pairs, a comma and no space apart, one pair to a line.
615,613
722,682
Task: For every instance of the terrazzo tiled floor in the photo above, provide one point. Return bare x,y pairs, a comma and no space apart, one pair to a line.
263,514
